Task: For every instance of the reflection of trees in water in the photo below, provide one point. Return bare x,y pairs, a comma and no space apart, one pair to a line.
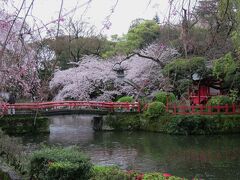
184,156
70,130
123,157
72,120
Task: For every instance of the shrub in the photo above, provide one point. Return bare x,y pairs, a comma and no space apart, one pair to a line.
11,150
164,97
124,122
160,176
219,100
60,163
22,124
187,125
109,172
156,109
125,99
113,172
199,124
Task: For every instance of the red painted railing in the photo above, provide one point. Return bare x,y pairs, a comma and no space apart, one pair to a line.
120,106
110,106
203,109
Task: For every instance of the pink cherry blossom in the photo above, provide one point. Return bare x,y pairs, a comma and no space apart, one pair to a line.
94,78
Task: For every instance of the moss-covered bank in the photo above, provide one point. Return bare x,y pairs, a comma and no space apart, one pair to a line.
191,124
21,124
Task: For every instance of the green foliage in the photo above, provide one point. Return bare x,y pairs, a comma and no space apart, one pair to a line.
180,72
236,40
202,124
125,99
160,176
165,97
224,66
219,100
23,124
114,173
186,125
180,124
60,163
156,109
236,32
233,95
71,48
124,122
11,150
110,172
185,68
228,69
141,34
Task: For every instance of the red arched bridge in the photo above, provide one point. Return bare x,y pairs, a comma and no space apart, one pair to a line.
93,107
68,107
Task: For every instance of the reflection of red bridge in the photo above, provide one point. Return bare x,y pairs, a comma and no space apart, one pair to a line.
68,106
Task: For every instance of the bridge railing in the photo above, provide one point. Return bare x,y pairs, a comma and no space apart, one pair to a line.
110,106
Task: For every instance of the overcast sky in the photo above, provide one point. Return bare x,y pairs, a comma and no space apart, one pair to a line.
98,10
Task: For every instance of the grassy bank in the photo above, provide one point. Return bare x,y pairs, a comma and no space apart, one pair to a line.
191,124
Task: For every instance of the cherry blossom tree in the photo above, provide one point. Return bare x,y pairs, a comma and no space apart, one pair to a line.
157,52
18,68
94,78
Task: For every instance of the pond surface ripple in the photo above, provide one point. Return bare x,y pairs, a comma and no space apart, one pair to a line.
206,157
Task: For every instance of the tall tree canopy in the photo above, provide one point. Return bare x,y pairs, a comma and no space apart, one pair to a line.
140,34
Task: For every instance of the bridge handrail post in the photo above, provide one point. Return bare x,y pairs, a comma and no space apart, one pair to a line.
4,108
138,107
175,109
112,107
233,108
226,108
38,106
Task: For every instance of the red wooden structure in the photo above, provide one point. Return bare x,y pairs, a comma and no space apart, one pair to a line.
204,110
110,106
120,107
202,90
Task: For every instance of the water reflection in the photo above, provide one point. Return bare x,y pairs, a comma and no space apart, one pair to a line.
207,157
71,130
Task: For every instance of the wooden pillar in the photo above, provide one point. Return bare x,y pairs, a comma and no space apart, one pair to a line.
97,123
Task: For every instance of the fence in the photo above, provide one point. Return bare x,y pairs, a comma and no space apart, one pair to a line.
121,106
110,106
203,109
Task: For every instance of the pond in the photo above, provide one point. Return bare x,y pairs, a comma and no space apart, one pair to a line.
207,157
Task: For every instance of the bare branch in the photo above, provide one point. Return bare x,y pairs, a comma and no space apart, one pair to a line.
59,17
